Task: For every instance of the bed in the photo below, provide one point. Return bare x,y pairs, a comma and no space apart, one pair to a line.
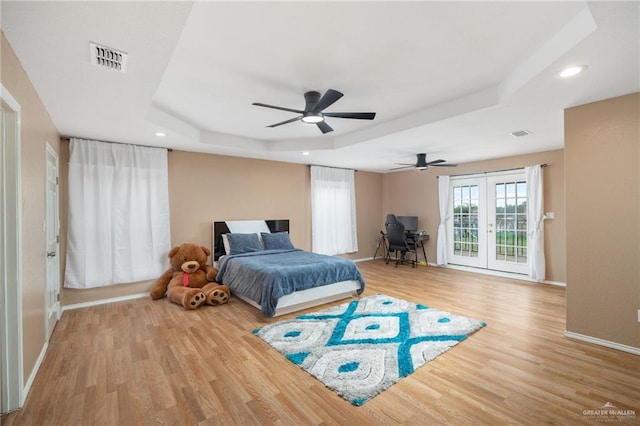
265,270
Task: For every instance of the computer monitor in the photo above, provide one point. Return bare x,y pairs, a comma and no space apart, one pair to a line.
410,222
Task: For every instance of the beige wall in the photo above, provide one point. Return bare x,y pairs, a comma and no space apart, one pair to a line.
602,163
36,130
415,193
242,189
204,188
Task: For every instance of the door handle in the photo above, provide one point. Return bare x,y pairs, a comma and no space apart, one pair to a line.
51,254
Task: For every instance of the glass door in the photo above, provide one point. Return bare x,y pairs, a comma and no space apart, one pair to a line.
488,222
507,223
468,223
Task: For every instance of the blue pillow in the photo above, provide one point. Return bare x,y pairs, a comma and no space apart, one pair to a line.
243,243
276,241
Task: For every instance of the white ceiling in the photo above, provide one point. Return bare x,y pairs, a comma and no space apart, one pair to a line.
451,79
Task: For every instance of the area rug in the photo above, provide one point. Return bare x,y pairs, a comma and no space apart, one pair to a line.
362,347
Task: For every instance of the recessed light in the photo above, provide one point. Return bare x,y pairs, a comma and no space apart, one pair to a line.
305,153
572,70
160,134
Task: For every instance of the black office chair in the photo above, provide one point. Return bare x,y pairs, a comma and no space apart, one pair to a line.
399,243
391,218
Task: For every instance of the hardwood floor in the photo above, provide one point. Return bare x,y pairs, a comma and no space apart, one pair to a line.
151,362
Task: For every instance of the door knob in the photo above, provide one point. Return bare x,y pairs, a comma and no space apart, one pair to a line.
51,254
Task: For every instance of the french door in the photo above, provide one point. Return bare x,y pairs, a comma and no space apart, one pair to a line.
488,222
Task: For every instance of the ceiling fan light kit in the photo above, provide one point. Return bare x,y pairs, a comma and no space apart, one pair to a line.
312,117
313,112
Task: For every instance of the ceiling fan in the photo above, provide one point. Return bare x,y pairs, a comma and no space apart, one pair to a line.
313,112
422,163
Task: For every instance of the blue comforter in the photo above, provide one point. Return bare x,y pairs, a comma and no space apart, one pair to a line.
265,276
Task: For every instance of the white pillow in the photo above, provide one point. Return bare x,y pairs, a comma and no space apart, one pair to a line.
225,243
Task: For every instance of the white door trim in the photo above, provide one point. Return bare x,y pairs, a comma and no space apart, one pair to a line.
11,257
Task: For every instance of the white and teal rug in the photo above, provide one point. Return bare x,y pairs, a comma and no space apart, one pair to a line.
360,348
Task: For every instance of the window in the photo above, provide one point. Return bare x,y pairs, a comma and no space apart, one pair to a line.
511,221
465,220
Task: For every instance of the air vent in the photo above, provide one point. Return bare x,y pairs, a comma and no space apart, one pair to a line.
107,57
520,133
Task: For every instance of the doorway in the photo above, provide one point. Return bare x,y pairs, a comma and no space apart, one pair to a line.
52,232
10,256
488,222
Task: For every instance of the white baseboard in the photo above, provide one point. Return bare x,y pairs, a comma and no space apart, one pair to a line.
601,342
34,372
557,283
362,260
104,301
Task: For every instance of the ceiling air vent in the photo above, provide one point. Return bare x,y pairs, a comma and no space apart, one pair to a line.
107,57
520,133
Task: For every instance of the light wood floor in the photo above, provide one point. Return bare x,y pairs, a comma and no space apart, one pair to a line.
151,362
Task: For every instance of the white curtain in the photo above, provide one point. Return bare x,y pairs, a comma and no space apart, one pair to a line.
333,211
535,222
443,205
118,228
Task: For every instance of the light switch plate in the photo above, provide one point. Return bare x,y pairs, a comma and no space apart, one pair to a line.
549,215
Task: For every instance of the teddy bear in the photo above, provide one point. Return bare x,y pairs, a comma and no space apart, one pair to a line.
190,282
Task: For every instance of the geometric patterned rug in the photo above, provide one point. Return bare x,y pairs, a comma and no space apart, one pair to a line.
362,347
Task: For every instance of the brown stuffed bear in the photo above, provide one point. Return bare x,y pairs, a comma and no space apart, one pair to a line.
190,282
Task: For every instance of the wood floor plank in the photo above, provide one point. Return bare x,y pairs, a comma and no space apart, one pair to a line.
151,362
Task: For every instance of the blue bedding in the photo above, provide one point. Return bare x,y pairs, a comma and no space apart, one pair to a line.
265,276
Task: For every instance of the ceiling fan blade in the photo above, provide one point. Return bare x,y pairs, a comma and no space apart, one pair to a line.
405,164
324,127
277,107
355,115
443,165
431,163
285,122
403,167
329,97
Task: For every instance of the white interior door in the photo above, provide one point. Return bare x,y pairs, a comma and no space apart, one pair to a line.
488,222
52,231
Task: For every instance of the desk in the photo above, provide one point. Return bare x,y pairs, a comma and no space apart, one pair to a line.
416,238
419,242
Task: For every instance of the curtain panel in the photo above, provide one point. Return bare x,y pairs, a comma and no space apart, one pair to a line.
535,222
119,230
443,207
333,211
